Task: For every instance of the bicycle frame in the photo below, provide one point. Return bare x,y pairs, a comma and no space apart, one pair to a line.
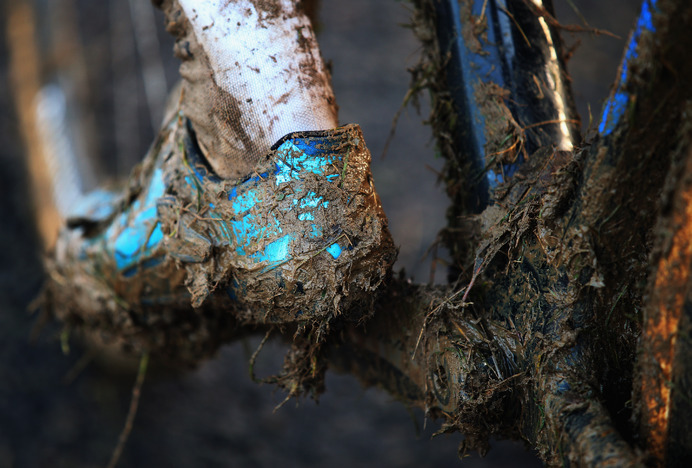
514,357
509,89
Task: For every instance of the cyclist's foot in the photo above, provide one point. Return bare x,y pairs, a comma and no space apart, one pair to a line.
252,72
292,232
301,237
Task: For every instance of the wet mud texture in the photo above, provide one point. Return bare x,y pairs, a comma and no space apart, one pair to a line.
66,411
215,416
185,294
553,256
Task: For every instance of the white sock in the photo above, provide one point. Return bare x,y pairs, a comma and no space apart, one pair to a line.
253,73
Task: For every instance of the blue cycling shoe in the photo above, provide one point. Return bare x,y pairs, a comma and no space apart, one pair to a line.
303,238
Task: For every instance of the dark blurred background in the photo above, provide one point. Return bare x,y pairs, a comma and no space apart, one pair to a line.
54,412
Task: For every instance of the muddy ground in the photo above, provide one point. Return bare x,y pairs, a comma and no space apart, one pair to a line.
52,414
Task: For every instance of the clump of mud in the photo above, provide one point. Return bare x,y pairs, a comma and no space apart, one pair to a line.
302,241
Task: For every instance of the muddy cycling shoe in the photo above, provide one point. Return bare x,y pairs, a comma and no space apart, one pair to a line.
302,238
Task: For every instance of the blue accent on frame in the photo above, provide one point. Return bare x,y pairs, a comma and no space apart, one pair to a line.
275,252
141,235
294,159
245,201
134,235
334,250
476,69
563,387
468,69
95,206
617,104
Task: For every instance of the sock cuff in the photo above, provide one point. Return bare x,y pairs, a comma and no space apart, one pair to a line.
252,73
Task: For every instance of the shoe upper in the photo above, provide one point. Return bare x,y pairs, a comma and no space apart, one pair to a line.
301,238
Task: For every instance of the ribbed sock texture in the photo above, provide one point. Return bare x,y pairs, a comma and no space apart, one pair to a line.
253,73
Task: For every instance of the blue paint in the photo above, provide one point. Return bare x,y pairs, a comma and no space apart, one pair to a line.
617,104
128,243
275,252
490,66
245,232
334,250
311,200
249,228
139,236
309,147
243,226
193,162
494,179
316,231
155,237
563,387
133,242
156,189
148,214
645,18
135,235
253,180
245,201
199,172
225,229
192,182
95,206
293,159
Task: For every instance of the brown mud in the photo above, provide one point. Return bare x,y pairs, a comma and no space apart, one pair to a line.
589,262
506,137
197,267
212,111
179,309
58,415
563,261
429,75
539,341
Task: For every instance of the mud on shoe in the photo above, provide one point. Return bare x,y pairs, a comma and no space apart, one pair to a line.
217,226
303,238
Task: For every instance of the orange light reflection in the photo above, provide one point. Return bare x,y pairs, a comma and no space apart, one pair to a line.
661,328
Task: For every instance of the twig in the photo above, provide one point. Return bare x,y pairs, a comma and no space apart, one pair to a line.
466,290
548,122
476,272
425,321
78,367
395,121
511,16
480,18
575,28
254,356
132,412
